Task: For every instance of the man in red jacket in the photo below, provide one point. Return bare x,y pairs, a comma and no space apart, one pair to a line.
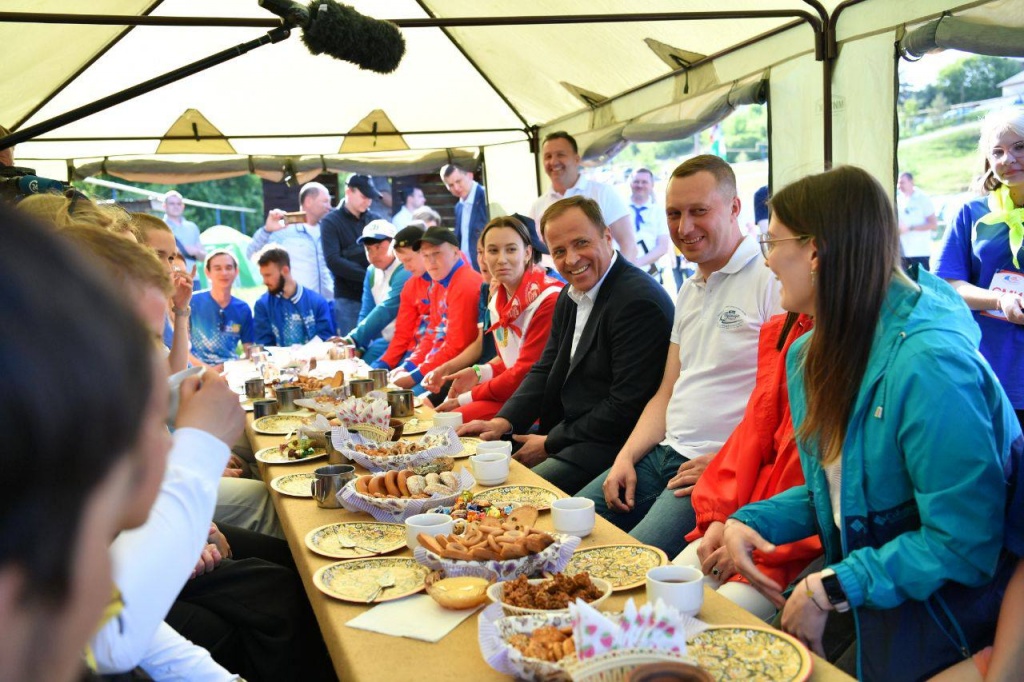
414,303
454,307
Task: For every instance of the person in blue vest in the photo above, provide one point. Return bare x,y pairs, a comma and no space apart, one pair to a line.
220,321
382,290
288,313
471,210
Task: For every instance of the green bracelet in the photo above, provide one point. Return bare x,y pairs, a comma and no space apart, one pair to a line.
479,374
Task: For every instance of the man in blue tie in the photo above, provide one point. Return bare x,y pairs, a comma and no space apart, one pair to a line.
649,221
471,212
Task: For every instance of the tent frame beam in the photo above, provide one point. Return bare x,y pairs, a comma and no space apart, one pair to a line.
277,136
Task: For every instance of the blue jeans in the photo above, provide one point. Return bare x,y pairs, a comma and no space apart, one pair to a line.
658,517
346,314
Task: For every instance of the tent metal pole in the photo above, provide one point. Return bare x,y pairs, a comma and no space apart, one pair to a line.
432,22
274,36
276,136
825,52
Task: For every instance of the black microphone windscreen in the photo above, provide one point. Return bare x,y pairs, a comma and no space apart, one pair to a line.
343,33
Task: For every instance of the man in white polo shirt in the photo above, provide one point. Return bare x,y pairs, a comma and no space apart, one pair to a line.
562,164
917,221
711,364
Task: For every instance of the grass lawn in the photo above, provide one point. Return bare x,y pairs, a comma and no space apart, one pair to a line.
942,163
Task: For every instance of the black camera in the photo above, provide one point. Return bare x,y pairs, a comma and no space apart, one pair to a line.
18,182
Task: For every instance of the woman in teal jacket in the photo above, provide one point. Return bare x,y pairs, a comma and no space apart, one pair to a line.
905,436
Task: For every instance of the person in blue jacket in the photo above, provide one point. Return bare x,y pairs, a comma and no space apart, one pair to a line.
382,289
288,313
905,437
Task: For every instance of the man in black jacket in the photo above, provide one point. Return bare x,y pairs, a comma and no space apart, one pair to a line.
602,362
346,258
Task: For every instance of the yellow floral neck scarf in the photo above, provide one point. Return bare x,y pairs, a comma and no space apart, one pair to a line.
1003,210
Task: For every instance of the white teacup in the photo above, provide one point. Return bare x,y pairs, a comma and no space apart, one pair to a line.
431,524
489,446
452,419
573,516
681,587
490,468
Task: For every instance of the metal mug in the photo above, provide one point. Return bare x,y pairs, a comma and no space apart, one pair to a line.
401,403
255,388
334,455
379,378
327,483
253,351
263,408
360,387
286,396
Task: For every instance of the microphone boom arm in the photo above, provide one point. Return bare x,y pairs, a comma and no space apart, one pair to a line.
275,35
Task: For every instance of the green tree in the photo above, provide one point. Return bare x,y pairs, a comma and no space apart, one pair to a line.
974,78
244,191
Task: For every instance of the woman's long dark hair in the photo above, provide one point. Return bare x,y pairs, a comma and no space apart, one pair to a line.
853,223
512,223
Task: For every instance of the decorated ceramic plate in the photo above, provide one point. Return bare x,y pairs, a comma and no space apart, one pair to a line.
624,566
357,580
526,495
293,485
273,455
415,425
469,444
751,652
278,424
378,538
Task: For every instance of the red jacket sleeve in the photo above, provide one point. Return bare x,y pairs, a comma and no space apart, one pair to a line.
507,379
405,324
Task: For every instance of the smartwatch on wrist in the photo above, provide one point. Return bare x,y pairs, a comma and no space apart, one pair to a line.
834,591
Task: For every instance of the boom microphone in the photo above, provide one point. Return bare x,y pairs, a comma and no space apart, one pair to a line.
338,30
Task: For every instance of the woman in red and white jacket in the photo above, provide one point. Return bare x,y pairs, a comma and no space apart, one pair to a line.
521,311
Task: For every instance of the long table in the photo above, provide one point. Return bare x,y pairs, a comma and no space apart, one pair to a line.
362,655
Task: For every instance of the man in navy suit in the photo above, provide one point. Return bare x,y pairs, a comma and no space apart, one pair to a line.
602,361
470,212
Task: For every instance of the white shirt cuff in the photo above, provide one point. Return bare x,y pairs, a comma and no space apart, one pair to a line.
465,398
486,372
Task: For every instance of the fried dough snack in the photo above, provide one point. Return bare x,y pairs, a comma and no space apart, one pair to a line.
553,594
546,643
406,484
402,447
488,540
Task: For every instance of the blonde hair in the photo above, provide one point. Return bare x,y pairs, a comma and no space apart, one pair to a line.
146,223
61,210
998,122
130,264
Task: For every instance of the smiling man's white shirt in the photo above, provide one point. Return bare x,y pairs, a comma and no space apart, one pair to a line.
585,304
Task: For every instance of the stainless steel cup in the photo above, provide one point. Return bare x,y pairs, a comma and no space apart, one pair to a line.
253,351
263,408
255,389
401,403
286,396
379,378
360,387
327,483
334,455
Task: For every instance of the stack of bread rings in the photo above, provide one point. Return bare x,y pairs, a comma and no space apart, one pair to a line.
488,540
407,485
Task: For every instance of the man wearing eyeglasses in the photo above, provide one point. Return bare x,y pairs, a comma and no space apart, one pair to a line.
711,364
221,323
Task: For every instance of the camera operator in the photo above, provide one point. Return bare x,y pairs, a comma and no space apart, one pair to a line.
16,182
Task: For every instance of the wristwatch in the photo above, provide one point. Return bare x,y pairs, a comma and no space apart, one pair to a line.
834,591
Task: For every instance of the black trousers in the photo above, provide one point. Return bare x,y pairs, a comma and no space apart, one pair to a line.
251,613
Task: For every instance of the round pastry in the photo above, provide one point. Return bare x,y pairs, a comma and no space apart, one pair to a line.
449,479
416,484
376,486
362,484
391,483
437,489
433,479
403,486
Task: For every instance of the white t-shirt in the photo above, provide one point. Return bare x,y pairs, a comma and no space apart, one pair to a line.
914,210
612,205
717,325
380,290
402,218
653,225
585,301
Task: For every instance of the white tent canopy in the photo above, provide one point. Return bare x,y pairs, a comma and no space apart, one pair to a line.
460,91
